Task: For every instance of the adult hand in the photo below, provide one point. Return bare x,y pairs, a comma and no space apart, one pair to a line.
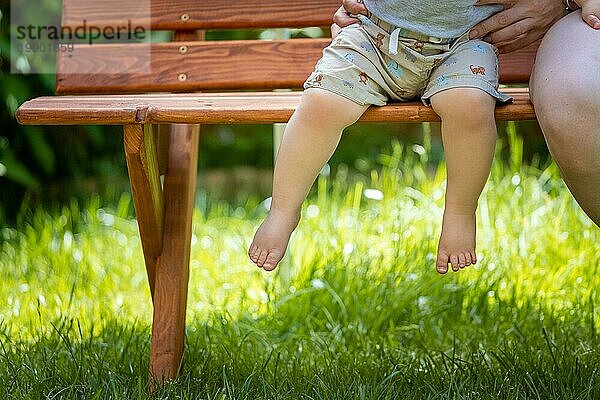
522,22
344,15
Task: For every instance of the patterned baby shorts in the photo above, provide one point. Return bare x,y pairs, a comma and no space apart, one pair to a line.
371,61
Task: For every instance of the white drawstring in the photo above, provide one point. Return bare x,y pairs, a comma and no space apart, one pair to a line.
393,44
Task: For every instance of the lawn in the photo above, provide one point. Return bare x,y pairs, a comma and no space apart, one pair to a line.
355,311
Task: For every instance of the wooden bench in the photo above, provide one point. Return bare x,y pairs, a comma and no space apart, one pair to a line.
161,127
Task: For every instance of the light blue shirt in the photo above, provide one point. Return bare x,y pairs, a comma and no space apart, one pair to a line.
445,19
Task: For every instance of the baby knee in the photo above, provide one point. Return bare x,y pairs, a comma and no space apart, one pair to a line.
470,104
322,106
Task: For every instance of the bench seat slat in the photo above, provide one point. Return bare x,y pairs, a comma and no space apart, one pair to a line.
231,108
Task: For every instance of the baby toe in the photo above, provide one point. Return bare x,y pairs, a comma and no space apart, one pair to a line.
262,257
441,264
272,260
461,260
251,250
454,262
474,257
468,260
255,254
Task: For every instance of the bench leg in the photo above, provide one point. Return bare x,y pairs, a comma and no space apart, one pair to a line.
172,272
143,167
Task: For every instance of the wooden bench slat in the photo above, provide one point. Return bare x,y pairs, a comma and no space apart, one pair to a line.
231,108
204,14
235,65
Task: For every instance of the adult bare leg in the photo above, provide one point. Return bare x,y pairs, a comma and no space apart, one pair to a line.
565,90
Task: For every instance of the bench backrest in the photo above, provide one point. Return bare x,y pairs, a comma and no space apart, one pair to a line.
196,65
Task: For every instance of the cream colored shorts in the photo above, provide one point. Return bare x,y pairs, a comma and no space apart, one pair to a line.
360,65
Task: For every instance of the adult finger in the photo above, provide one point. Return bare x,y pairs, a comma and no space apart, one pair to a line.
354,6
592,21
511,32
495,23
342,19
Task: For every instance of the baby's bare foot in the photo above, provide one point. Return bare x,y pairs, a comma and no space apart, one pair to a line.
271,238
457,242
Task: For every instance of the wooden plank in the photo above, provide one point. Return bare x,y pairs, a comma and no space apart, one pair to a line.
205,14
172,274
142,164
217,108
200,66
276,107
70,111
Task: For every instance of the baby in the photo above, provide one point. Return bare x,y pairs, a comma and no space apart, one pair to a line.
401,51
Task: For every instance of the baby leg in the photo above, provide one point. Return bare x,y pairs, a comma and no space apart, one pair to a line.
311,136
469,136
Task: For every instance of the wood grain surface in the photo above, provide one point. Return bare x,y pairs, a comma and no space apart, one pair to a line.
204,14
217,108
142,164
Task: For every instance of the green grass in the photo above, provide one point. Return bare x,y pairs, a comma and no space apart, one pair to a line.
356,310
